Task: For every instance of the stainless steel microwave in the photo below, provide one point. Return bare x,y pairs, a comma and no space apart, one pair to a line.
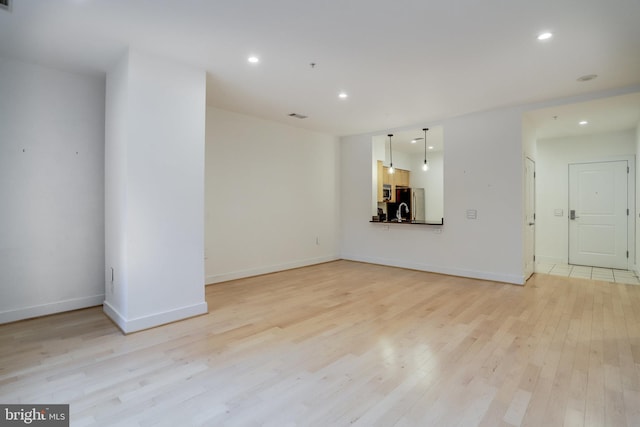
386,192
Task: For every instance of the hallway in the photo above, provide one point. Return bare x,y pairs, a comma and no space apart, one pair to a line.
584,272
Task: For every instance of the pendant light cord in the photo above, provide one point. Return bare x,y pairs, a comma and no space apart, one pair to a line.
390,151
425,144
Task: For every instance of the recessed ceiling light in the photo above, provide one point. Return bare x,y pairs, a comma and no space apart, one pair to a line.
253,59
545,36
430,147
587,77
583,122
342,95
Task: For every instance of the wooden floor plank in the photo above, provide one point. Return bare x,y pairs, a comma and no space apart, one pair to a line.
347,343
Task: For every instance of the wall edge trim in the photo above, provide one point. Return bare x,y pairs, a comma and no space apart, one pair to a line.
39,310
473,274
157,319
241,274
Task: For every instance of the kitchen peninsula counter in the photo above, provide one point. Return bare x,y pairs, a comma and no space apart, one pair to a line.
409,222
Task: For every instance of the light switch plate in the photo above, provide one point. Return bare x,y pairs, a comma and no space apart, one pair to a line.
558,212
472,214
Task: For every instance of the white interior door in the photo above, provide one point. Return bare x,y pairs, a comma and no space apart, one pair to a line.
530,217
598,214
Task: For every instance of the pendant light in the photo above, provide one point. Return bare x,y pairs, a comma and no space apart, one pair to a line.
390,154
425,167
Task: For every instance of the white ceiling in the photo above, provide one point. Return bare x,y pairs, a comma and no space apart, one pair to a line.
401,140
603,115
401,62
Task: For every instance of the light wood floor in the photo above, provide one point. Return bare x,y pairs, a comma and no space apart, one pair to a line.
346,343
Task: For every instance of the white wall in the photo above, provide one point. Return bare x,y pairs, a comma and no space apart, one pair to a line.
271,191
482,171
154,186
51,190
529,139
116,135
636,266
378,153
552,182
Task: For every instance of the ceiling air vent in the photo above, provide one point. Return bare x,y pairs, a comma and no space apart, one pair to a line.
297,116
5,4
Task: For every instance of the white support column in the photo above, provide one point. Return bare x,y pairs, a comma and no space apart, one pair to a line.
154,192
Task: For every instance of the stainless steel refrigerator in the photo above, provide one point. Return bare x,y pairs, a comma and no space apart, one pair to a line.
417,204
413,198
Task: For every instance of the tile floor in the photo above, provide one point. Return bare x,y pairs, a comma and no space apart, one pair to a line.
593,273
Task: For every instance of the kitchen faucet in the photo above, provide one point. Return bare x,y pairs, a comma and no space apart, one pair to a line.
399,212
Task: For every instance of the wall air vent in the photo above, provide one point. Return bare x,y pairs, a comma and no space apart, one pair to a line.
6,5
297,116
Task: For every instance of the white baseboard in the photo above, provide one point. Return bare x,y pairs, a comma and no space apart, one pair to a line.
224,277
145,322
474,274
50,308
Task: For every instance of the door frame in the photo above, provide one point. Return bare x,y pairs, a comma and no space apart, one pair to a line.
529,273
631,203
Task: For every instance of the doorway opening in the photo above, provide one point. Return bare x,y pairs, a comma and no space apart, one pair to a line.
627,277
585,187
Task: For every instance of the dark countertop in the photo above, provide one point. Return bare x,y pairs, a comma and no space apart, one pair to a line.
410,222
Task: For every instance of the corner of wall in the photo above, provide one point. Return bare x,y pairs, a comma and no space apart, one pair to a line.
128,326
636,267
50,308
